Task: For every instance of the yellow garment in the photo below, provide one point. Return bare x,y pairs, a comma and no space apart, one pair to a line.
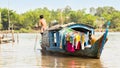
93,39
68,37
77,37
82,41
82,38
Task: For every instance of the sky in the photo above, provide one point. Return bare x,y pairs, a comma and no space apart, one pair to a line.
21,6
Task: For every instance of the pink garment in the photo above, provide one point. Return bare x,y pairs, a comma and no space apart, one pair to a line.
70,47
78,46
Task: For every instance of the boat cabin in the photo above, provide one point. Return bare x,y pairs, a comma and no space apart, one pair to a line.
54,34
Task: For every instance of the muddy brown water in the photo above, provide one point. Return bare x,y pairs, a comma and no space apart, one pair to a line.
22,55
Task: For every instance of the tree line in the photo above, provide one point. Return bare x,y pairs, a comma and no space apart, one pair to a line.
97,17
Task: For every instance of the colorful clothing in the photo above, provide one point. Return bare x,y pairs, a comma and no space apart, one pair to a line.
70,47
72,40
82,41
77,37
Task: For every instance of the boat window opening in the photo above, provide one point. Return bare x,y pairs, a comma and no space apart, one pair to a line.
55,38
80,30
88,33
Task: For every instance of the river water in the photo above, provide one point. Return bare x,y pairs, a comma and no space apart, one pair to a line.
25,53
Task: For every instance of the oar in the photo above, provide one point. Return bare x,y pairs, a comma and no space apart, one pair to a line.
105,36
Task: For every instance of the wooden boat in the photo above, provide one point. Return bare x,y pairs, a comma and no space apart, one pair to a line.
53,41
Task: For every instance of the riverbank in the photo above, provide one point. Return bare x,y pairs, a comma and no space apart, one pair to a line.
110,30
36,30
96,30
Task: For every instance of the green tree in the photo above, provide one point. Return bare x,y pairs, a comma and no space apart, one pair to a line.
4,18
115,21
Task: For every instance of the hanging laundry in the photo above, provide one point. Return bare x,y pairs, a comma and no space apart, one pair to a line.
82,41
70,48
62,37
77,45
72,40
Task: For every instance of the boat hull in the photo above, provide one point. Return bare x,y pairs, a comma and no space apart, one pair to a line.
92,52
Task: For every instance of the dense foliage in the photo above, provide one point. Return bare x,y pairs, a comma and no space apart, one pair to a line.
97,17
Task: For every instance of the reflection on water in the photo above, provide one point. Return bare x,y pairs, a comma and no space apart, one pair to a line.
69,62
23,55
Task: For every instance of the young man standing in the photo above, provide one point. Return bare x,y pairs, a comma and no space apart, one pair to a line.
43,24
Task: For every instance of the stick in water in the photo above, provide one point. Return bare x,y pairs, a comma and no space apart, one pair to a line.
35,41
